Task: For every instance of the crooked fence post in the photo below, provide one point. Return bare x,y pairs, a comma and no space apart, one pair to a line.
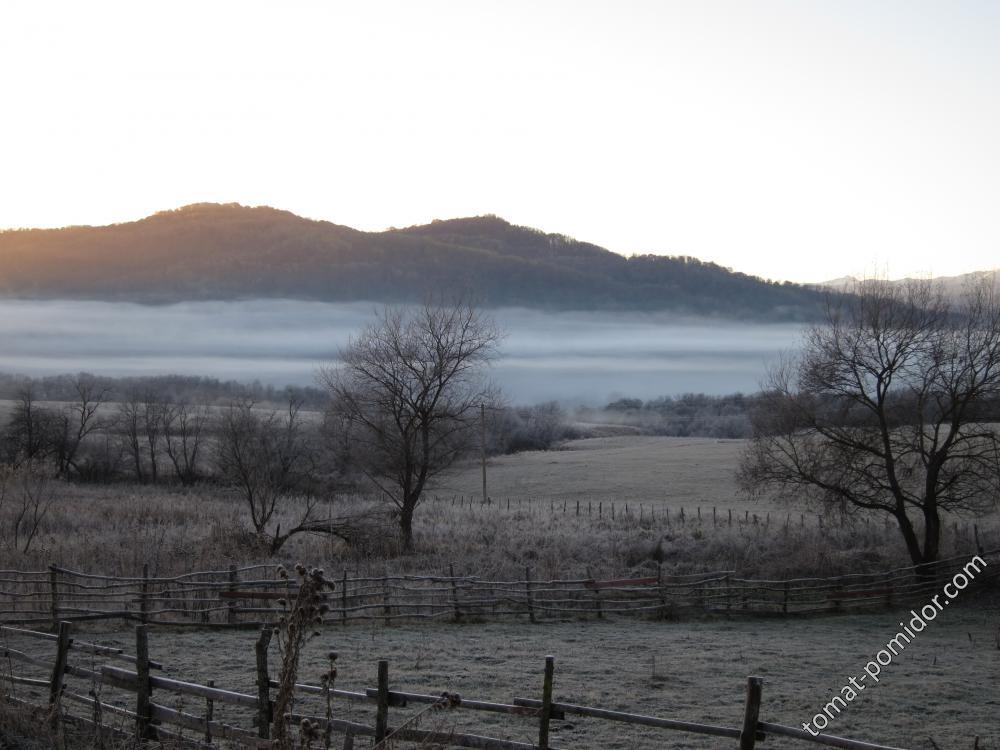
382,711
751,713
454,593
144,729
597,595
144,595
545,716
527,593
63,642
386,600
343,599
231,606
263,684
54,593
209,715
660,591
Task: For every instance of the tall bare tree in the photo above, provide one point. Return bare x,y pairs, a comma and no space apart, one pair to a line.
77,421
140,422
407,392
28,434
888,409
263,453
183,432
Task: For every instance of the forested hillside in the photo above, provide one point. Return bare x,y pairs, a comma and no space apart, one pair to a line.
214,251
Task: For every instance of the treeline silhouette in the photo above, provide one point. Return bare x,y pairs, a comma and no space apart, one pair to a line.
194,389
228,251
687,415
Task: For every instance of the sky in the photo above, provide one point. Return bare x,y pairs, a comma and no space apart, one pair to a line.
800,140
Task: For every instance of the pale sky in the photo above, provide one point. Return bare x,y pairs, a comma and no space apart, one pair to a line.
800,140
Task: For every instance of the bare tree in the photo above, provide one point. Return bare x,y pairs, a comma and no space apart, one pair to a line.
140,420
887,409
262,453
183,430
26,496
77,421
407,393
28,435
129,424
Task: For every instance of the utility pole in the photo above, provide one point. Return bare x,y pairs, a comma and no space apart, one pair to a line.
482,415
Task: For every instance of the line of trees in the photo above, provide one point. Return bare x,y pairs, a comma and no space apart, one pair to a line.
401,406
890,406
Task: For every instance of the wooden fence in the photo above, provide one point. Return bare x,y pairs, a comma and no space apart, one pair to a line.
61,685
246,597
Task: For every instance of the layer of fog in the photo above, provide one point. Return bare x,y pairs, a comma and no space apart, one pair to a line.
572,357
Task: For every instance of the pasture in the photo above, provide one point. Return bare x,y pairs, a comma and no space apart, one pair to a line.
601,504
599,507
941,688
669,472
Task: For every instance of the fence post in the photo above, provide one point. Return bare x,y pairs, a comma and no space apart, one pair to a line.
231,613
59,670
343,599
144,729
546,713
382,711
386,606
527,593
144,595
597,596
454,592
751,713
54,591
209,714
659,588
263,684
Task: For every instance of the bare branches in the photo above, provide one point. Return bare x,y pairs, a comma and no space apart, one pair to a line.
184,427
887,408
405,393
26,496
263,454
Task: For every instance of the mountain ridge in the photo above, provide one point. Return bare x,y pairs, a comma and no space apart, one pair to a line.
229,251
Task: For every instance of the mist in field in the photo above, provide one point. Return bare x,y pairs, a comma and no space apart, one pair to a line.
572,357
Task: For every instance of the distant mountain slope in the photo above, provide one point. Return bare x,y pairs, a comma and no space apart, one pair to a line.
951,285
213,251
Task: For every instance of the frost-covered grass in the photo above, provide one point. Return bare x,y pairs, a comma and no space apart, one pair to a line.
942,686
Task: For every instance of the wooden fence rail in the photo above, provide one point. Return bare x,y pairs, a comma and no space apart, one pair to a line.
245,597
149,718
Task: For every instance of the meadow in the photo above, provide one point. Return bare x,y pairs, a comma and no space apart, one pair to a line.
598,507
601,504
938,693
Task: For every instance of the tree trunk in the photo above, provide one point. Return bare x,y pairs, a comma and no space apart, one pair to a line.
406,523
910,537
932,534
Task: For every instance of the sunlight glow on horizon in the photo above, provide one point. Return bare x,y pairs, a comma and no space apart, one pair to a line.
787,140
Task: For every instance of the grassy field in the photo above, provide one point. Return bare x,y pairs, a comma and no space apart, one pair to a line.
667,471
117,528
943,686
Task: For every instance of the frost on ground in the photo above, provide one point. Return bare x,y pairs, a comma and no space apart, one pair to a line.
944,685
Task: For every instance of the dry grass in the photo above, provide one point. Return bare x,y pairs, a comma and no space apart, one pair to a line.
115,530
671,472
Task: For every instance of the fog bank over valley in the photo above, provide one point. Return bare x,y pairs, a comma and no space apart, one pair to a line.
575,357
